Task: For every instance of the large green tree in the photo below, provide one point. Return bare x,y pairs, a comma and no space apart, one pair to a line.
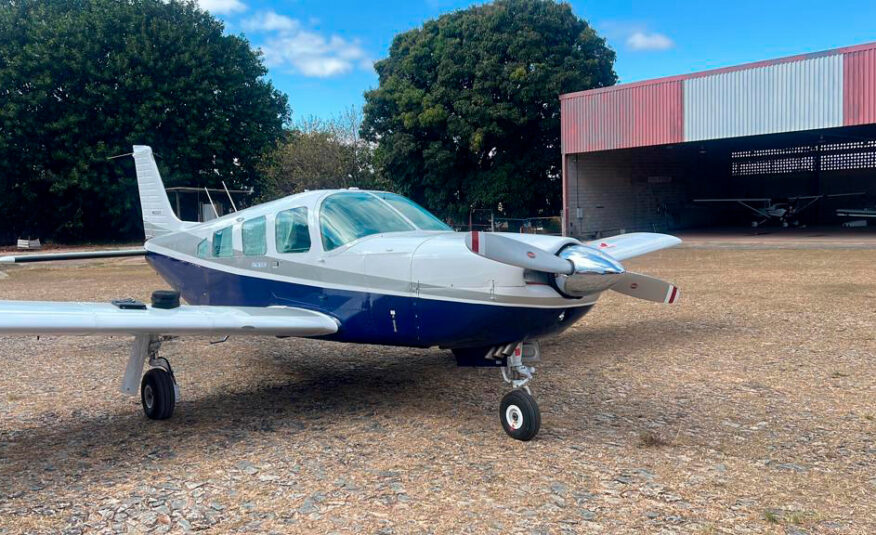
83,80
467,113
320,154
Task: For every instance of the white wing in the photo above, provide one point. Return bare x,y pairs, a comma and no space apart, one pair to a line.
634,244
64,318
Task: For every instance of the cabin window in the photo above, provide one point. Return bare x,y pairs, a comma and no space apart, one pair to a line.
222,243
293,234
203,249
253,235
348,216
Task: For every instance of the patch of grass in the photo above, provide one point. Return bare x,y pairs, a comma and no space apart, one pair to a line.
869,417
771,517
838,375
796,518
651,439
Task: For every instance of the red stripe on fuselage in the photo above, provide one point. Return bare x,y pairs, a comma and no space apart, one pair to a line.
475,242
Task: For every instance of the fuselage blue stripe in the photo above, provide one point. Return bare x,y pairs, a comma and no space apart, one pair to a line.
368,317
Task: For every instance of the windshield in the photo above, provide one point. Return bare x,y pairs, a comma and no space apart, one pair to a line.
350,215
417,214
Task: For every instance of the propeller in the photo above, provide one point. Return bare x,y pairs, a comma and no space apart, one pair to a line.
578,269
647,288
516,253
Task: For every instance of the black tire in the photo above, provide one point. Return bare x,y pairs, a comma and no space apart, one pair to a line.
519,415
157,394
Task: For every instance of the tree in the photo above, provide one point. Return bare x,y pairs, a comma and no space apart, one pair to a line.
319,154
83,80
467,111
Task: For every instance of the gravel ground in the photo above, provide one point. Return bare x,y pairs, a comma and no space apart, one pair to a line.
747,408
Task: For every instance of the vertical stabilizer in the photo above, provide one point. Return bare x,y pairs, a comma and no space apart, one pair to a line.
158,216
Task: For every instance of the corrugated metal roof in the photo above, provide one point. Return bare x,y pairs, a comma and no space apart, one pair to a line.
787,97
819,90
859,86
644,115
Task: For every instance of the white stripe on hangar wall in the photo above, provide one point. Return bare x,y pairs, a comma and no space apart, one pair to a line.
786,97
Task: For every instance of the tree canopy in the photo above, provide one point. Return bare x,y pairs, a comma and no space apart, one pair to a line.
83,80
467,112
320,154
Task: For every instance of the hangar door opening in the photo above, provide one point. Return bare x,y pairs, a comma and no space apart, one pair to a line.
706,184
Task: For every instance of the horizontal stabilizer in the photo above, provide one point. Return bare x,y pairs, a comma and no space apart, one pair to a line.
78,255
66,318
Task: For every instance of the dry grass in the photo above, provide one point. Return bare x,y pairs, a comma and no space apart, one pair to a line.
756,397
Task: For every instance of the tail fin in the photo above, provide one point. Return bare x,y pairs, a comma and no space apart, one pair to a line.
158,216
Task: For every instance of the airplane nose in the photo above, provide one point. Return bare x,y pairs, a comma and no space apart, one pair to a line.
594,272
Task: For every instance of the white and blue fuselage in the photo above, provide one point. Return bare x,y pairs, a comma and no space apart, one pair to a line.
416,284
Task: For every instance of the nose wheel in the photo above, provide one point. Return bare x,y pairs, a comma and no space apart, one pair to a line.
518,411
519,415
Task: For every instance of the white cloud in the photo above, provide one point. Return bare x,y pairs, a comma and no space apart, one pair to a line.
222,7
287,43
270,22
640,40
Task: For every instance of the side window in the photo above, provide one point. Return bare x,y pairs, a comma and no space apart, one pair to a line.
293,236
253,234
222,243
203,249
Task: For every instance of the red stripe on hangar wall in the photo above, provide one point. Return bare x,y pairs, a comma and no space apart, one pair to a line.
859,87
622,117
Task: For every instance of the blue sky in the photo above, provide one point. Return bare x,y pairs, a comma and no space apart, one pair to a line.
320,52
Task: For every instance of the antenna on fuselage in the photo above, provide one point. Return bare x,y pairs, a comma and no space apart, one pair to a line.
229,196
213,206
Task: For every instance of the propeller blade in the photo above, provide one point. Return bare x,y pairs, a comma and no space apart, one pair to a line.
516,253
647,288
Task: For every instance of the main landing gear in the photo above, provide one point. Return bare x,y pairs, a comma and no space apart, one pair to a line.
158,388
518,411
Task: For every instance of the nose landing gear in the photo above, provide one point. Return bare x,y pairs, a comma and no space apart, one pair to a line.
518,411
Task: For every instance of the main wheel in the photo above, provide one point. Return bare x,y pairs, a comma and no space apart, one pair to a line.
157,394
519,414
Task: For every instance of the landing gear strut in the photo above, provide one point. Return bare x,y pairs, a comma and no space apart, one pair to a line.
519,412
158,388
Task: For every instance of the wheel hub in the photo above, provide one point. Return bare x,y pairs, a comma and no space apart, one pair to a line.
148,397
514,417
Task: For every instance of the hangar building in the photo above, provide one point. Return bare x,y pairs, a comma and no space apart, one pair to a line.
636,155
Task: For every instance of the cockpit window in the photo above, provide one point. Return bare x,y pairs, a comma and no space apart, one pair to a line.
417,214
350,215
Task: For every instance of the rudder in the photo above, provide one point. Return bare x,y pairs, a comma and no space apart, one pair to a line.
158,216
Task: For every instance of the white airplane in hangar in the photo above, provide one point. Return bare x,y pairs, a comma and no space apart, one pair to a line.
351,266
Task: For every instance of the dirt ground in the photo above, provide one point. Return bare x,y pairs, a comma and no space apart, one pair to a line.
750,407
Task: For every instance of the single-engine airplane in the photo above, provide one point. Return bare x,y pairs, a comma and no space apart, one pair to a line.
352,266
785,212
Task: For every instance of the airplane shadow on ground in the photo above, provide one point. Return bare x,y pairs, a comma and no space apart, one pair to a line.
313,401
